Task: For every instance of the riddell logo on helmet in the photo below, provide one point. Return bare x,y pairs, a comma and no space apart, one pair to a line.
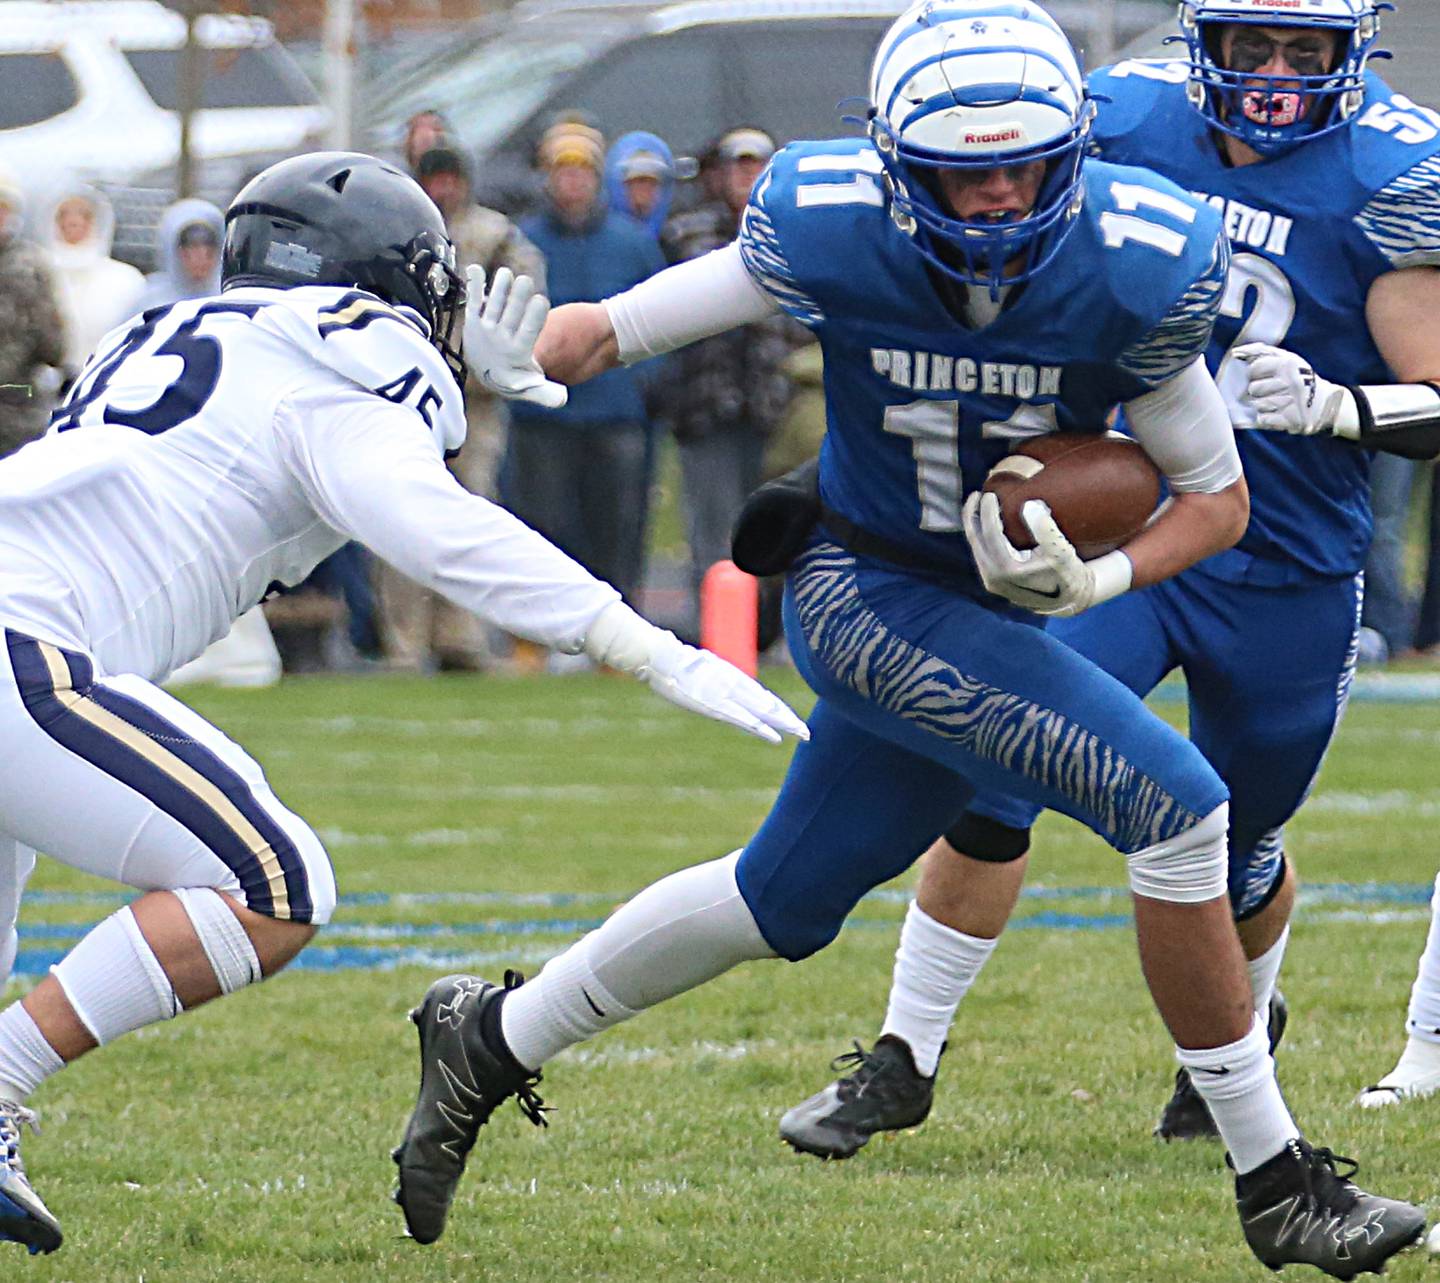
1278,4
1010,134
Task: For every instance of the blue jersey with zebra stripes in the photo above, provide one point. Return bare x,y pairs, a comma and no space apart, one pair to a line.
919,405
1310,231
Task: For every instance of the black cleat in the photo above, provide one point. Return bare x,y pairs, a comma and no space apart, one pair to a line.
1186,1116
465,1073
1300,1209
885,1093
24,1218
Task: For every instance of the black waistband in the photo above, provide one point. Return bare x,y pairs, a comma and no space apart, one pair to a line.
868,544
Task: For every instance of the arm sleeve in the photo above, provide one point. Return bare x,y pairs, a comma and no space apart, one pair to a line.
690,301
1402,219
372,472
1184,427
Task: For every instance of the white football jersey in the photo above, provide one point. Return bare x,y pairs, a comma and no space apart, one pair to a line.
221,447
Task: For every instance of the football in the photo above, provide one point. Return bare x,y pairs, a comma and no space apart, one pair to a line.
1101,488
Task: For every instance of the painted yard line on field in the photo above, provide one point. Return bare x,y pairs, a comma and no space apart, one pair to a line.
1376,688
1314,893
503,728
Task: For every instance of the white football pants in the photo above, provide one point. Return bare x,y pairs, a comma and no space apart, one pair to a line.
117,778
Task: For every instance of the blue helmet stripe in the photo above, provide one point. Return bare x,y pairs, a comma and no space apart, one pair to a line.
912,71
934,17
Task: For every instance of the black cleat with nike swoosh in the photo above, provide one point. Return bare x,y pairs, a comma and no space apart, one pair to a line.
1300,1209
465,1073
884,1092
1186,1116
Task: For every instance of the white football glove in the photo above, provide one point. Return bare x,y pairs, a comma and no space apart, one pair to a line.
693,679
501,326
1286,395
1049,579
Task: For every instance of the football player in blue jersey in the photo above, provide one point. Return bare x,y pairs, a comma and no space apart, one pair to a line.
972,278
1329,185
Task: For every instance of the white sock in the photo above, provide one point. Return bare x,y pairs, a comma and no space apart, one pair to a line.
1265,972
680,932
1419,1060
1424,1016
26,1059
1238,1082
935,966
114,981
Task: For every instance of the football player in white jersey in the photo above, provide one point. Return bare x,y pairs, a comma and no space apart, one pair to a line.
208,452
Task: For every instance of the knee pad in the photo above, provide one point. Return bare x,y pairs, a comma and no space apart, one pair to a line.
982,838
114,982
1189,868
227,946
1256,878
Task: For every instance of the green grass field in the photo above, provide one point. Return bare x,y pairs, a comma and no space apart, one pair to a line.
250,1141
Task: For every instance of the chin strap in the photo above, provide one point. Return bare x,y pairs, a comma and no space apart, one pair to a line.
1398,418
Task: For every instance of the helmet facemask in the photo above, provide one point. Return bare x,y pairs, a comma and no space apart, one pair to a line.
1273,113
440,301
981,251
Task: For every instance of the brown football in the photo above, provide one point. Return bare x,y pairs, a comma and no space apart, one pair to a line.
1101,489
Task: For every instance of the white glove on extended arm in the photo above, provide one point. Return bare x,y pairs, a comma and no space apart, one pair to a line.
1049,579
1288,396
501,326
694,679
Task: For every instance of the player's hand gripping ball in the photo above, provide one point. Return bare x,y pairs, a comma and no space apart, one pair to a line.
1101,489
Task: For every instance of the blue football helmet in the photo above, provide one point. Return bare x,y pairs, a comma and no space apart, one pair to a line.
1274,113
972,85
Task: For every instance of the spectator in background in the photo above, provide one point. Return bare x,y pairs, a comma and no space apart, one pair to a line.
421,629
1427,626
423,131
187,249
96,292
32,335
1388,615
578,474
640,179
728,393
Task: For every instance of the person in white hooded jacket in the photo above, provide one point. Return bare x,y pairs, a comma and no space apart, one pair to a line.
96,292
187,254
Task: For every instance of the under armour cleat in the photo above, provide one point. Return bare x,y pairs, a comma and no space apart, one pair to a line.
23,1217
1186,1116
465,1073
885,1093
1300,1209
1415,1076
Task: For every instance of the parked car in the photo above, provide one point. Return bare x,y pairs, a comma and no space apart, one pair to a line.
688,71
91,90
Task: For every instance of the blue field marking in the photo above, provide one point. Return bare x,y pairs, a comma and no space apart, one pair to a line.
1311,893
441,946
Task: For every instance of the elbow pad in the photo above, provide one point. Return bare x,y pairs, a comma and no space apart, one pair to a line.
1398,418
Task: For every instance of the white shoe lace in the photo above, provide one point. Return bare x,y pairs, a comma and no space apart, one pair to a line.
14,1118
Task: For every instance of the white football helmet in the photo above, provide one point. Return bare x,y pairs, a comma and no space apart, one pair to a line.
1274,113
977,84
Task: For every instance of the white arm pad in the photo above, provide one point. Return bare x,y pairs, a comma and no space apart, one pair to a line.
1184,426
692,300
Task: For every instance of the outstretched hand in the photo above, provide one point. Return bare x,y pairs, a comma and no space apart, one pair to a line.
705,683
501,327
